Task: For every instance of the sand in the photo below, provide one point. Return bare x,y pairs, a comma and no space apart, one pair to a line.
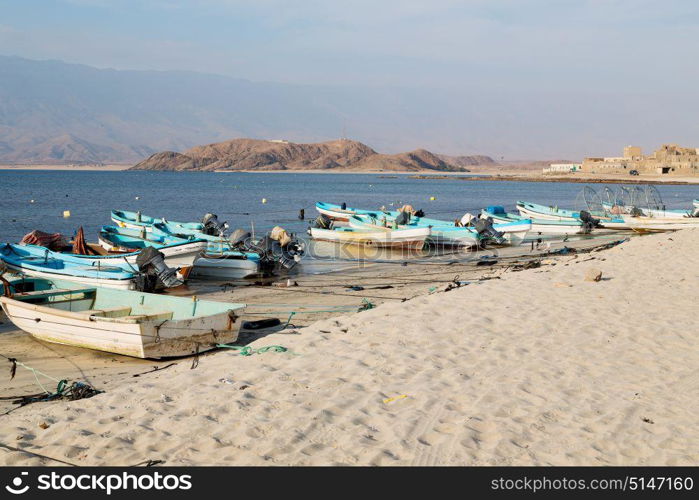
524,173
538,367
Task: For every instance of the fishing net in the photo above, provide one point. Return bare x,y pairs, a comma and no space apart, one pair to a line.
589,200
52,241
653,200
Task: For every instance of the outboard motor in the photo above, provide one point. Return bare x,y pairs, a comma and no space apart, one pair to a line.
636,212
151,263
588,222
420,213
292,253
239,239
403,218
272,251
212,226
485,229
323,222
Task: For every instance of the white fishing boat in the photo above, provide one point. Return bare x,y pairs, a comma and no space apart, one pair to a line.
137,324
386,238
653,224
229,265
539,227
659,213
40,262
126,243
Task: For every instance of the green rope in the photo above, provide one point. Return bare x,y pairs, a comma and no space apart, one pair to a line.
246,350
288,321
366,305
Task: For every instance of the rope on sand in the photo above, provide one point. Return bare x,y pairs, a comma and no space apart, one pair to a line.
246,350
71,392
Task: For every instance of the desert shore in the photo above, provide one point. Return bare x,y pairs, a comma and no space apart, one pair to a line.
488,173
536,367
74,168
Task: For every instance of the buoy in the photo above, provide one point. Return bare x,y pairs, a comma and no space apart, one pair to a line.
264,200
432,198
66,213
31,201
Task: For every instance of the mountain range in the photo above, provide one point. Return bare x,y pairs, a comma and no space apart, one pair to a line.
56,112
252,154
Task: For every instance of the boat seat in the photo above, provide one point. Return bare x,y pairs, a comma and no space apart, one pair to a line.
108,312
154,316
40,294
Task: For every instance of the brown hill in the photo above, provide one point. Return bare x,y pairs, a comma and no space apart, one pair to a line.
253,154
468,161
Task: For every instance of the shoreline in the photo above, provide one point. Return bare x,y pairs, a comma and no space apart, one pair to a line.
508,175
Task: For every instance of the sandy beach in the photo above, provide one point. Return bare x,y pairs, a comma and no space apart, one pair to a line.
75,168
536,367
524,173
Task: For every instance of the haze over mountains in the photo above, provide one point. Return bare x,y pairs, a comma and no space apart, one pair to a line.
54,112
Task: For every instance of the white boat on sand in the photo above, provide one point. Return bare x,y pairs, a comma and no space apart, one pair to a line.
138,324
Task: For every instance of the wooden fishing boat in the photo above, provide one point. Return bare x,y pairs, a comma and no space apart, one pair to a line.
538,226
385,238
137,324
137,220
41,262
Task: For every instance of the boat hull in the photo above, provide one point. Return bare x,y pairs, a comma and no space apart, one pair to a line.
181,255
118,284
409,239
225,267
134,324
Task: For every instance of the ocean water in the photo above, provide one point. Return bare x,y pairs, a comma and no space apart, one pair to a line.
237,197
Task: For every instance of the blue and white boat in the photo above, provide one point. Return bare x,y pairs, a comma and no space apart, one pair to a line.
137,220
213,259
40,262
540,226
442,232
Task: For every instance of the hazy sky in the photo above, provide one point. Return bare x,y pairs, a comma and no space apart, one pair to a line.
564,78
616,44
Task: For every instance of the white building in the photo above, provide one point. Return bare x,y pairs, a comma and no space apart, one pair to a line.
558,168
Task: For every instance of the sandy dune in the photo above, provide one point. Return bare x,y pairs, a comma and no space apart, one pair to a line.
539,367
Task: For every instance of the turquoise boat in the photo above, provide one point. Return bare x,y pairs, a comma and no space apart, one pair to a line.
178,253
443,232
137,220
539,226
40,262
213,256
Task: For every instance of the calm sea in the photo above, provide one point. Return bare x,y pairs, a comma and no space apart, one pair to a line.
237,197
